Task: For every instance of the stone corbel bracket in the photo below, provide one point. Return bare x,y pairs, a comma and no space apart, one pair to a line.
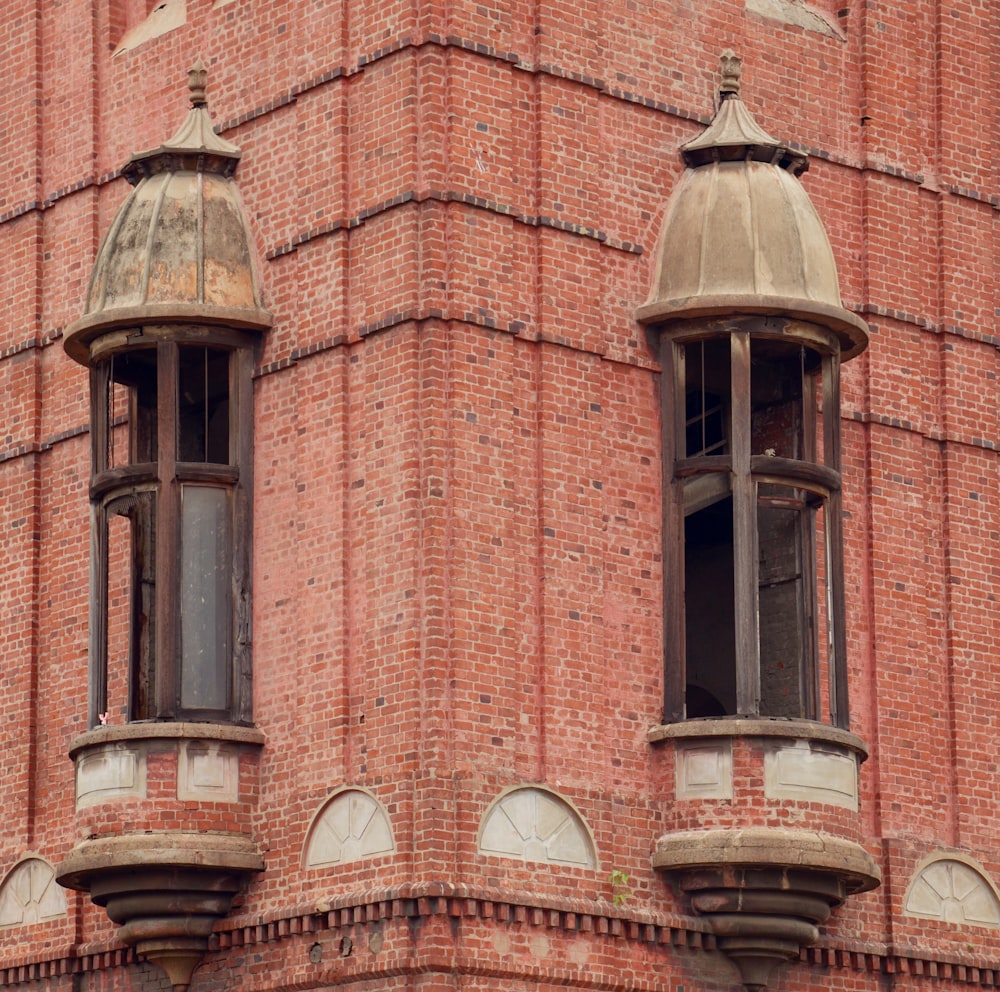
764,890
165,889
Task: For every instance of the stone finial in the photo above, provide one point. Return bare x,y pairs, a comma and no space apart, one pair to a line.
730,66
197,81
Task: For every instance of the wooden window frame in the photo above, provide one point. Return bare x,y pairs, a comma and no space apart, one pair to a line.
166,478
740,472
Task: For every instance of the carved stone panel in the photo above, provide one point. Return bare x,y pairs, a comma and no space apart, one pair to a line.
808,771
208,772
29,894
351,825
536,825
704,770
953,891
113,771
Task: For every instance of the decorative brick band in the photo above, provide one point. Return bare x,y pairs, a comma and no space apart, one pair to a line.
452,196
20,450
30,344
409,42
421,901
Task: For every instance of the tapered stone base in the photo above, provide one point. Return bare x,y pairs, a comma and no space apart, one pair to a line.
165,889
765,890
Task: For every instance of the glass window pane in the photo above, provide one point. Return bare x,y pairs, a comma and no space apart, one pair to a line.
203,405
786,602
706,398
205,598
129,407
131,605
119,600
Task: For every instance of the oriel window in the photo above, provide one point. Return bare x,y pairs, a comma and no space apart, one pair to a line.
171,427
754,619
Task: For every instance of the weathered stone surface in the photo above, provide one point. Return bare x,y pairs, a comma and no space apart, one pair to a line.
955,890
351,825
536,825
165,889
29,894
811,773
704,770
768,847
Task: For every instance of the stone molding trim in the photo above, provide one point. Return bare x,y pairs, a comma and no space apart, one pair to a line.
111,761
954,889
115,733
808,730
165,889
428,899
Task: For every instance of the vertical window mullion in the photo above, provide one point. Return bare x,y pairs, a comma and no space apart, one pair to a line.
204,404
674,434
100,386
808,414
100,416
168,534
746,593
241,453
809,679
839,711
98,688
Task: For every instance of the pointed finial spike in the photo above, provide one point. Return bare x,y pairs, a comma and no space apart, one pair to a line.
730,66
197,80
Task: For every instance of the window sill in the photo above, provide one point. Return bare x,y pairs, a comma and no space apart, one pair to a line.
808,730
119,733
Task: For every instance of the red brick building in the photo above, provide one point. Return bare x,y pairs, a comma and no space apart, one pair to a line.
432,561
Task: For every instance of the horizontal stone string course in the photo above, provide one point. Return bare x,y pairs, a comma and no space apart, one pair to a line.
453,196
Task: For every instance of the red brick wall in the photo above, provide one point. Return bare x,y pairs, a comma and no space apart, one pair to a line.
457,578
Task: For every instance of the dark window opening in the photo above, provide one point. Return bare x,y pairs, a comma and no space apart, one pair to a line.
785,653
131,587
709,615
777,372
753,532
706,431
203,405
127,395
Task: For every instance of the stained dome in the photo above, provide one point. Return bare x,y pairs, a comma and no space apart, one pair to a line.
180,249
741,235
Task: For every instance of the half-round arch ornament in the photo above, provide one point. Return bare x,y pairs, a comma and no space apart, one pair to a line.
534,824
29,894
953,889
351,824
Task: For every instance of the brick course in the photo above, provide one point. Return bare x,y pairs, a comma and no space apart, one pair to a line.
457,562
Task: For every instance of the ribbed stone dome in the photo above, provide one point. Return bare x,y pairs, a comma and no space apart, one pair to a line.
741,235
179,250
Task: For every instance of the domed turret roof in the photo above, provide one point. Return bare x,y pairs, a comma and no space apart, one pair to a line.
180,249
741,235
